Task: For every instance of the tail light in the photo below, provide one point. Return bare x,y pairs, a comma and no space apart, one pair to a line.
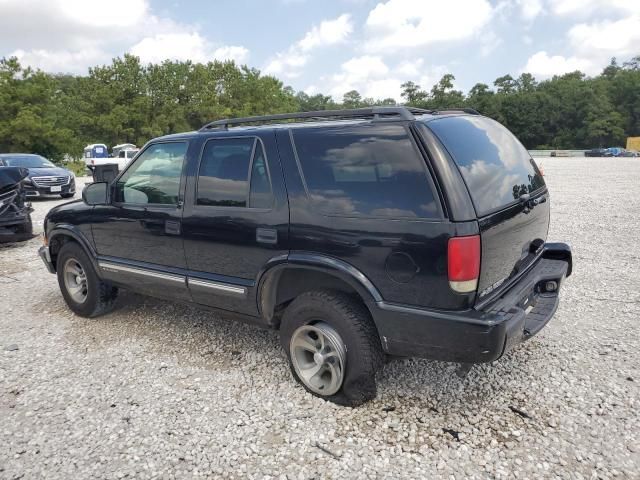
463,261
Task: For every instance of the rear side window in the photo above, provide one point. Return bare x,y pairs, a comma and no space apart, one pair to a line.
495,166
367,170
223,176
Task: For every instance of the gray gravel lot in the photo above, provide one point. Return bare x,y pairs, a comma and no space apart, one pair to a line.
168,391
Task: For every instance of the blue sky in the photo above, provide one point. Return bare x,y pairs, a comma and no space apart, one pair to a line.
331,46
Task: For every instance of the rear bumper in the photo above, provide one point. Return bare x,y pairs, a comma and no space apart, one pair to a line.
475,336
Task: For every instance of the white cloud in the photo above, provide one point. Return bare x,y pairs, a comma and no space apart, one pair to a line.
543,66
588,7
286,64
329,32
184,46
365,67
530,9
401,24
601,40
231,52
113,13
372,77
71,35
51,60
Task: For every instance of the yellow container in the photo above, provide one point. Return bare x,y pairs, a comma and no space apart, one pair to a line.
633,143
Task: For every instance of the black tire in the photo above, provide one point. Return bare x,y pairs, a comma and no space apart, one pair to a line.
100,296
67,195
351,320
24,231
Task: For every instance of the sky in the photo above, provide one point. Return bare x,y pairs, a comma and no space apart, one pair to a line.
331,46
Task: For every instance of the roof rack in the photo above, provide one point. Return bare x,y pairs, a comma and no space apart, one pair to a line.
375,113
470,111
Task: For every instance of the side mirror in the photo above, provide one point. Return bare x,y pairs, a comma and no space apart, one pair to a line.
96,193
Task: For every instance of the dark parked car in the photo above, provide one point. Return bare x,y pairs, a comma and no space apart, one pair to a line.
629,153
356,233
15,211
598,152
44,178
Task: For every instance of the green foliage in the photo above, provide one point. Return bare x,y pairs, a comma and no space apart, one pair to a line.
78,167
128,102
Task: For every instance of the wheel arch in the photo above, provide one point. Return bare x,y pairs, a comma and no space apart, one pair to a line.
62,234
286,277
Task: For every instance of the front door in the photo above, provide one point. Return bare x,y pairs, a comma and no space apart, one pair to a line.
236,219
138,237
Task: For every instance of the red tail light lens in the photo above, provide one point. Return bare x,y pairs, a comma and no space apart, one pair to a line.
464,263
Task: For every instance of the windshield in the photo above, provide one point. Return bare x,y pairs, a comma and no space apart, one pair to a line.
27,161
495,166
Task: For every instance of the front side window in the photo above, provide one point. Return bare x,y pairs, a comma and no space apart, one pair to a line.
223,176
155,176
365,170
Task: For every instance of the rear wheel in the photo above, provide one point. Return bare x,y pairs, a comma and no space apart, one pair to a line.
333,347
85,293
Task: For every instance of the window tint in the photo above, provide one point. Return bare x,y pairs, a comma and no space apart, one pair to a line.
371,170
154,178
223,179
496,167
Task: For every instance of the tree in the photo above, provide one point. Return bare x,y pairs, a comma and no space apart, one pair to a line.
127,101
412,94
505,84
352,99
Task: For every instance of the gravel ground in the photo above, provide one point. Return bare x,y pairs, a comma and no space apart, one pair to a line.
168,391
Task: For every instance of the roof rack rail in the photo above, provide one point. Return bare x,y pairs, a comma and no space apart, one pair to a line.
470,111
375,113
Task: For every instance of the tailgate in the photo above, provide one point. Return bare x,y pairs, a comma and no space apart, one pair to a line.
508,193
511,241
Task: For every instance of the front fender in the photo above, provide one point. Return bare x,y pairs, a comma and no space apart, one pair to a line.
71,232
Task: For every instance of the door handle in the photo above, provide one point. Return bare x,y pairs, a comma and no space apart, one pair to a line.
267,235
172,227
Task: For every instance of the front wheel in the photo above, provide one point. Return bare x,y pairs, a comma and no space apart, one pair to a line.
333,346
85,293
67,195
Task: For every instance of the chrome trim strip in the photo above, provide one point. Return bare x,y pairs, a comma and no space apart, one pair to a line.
222,287
114,267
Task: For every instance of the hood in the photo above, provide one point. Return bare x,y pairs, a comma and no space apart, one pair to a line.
11,175
49,172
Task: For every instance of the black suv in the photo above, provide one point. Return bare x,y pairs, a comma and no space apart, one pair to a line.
356,233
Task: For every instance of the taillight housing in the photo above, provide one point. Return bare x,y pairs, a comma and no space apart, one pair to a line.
463,262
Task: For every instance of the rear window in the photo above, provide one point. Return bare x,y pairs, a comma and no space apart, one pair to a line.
495,166
366,170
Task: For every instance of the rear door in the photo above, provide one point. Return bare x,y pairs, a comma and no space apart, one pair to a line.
236,218
508,193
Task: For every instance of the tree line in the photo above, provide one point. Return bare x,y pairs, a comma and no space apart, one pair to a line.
129,102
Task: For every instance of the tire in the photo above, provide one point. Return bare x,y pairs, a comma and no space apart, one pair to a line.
67,195
25,231
347,325
99,297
